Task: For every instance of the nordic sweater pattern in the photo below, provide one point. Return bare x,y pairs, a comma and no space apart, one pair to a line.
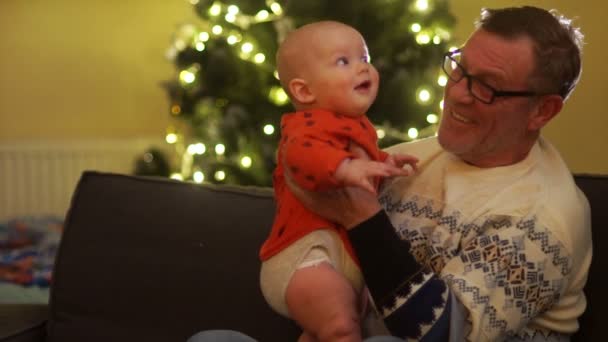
511,244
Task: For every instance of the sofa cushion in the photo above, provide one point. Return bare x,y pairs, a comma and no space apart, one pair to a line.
150,259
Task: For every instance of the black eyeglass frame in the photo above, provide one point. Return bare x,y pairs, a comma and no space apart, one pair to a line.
495,92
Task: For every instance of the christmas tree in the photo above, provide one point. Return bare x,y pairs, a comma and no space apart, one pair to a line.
227,97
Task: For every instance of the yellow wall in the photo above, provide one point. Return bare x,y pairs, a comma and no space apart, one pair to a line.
73,69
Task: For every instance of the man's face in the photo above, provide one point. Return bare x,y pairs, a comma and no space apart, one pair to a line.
340,74
496,134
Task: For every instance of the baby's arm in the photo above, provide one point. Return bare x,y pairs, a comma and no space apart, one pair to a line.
362,172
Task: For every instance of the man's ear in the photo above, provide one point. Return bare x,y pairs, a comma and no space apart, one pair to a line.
300,91
549,106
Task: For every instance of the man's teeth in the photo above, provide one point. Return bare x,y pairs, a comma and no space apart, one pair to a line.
460,118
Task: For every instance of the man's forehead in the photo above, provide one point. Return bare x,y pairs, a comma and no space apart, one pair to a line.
488,51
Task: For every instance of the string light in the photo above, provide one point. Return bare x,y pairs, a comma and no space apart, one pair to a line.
259,58
432,118
423,38
177,176
422,5
278,96
380,133
262,15
246,162
215,9
171,138
219,175
232,39
217,29
247,47
442,80
198,176
412,133
424,95
220,149
415,27
268,129
198,148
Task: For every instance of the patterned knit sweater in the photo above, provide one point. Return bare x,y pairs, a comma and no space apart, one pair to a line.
511,245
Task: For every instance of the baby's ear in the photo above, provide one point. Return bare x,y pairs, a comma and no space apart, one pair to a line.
300,91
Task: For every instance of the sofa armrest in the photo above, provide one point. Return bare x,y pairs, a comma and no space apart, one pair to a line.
23,322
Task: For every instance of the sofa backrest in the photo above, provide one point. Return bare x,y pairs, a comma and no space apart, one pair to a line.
595,188
146,259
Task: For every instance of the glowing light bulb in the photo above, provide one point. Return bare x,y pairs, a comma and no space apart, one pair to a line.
215,9
233,9
436,40
259,58
230,17
380,133
177,176
432,118
187,76
217,29
247,47
424,95
219,175
278,96
268,129
171,138
422,5
220,149
203,36
276,8
412,133
441,104
442,80
198,176
246,162
415,27
423,38
198,148
232,39
262,15
200,46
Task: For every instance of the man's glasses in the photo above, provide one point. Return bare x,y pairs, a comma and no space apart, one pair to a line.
478,88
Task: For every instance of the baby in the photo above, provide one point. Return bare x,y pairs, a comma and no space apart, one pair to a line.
309,270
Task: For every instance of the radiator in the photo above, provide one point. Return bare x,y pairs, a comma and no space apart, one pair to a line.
38,178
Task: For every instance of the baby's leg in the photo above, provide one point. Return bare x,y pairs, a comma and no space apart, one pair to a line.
324,304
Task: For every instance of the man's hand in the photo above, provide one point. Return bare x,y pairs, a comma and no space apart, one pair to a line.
347,206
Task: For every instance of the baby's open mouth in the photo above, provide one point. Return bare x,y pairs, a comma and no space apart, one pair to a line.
364,85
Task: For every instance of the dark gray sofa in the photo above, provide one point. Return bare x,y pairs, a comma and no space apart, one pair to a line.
149,259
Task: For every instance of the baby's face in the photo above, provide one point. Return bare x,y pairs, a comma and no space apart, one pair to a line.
340,74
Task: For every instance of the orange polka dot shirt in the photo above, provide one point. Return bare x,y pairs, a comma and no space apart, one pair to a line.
313,144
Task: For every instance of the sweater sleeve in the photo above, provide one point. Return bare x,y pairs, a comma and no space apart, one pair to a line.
411,299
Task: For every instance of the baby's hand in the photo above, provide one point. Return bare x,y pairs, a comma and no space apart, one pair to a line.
399,160
362,172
